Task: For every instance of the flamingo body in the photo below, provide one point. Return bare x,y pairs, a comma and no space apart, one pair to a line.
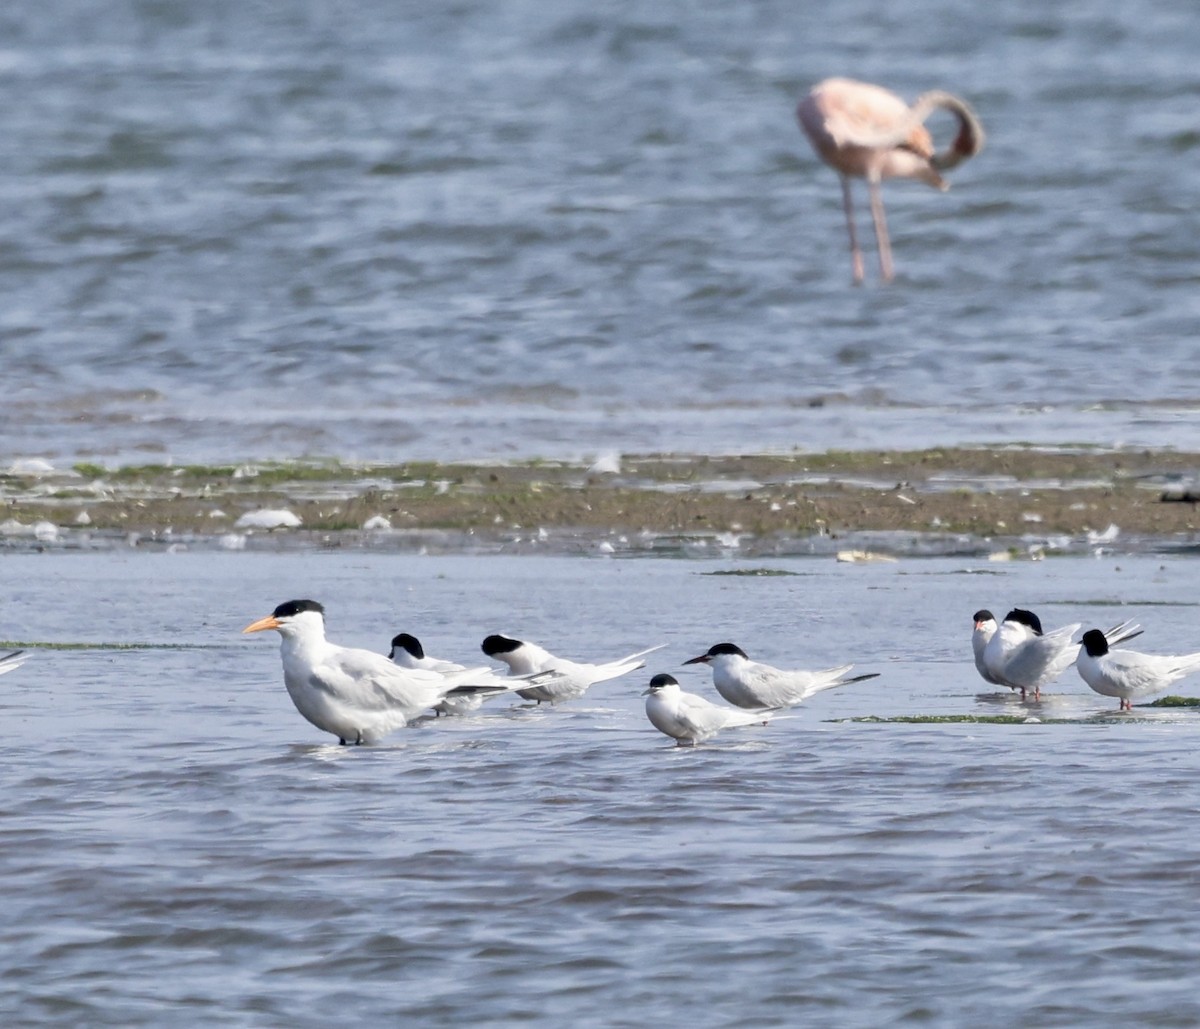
864,131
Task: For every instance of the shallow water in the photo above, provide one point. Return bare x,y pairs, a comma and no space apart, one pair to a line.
501,230
179,845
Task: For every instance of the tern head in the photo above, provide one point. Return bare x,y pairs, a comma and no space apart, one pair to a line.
497,645
1095,643
661,682
408,643
719,651
982,617
291,617
1023,617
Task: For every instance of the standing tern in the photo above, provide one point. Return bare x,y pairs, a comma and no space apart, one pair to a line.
1022,657
1127,674
12,660
407,652
355,694
756,686
572,678
690,719
985,629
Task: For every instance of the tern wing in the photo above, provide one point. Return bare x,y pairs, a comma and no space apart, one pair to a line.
13,659
1128,673
1122,633
779,688
613,669
371,682
1152,671
443,667
704,718
1041,659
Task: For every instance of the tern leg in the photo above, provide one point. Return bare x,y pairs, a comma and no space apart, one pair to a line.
856,257
881,232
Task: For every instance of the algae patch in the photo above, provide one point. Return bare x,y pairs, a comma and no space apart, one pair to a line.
752,572
951,719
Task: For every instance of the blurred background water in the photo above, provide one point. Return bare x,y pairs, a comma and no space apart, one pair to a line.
394,230
180,847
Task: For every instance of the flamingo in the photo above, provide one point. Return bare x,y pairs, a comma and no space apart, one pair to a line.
864,130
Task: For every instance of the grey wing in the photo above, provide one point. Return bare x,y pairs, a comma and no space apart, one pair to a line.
700,717
1043,658
1145,673
1122,633
371,682
777,687
612,669
12,660
772,687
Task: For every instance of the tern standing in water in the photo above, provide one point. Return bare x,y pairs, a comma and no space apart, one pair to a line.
1127,674
690,719
757,686
357,695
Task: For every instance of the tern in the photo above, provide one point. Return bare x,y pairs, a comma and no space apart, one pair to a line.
1128,674
756,686
407,652
572,678
690,719
985,629
1022,657
12,660
355,694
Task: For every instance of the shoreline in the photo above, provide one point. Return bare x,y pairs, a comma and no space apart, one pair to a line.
1009,500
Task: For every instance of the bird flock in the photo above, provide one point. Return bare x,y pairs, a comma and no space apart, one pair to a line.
1019,655
360,696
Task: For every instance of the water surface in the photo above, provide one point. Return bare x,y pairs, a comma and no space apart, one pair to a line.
179,845
399,231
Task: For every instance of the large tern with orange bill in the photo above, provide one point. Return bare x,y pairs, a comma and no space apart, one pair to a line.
357,695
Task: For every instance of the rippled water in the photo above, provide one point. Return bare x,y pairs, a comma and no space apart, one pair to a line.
180,846
387,230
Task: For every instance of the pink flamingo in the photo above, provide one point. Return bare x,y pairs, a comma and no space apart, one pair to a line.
864,130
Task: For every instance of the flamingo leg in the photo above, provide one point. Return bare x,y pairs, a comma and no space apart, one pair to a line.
856,257
881,232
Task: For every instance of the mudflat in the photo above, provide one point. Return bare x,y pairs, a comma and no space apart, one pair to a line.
1005,496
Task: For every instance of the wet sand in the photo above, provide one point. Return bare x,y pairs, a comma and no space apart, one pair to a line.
1015,497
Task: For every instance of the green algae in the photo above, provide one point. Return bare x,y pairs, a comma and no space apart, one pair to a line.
752,572
950,719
